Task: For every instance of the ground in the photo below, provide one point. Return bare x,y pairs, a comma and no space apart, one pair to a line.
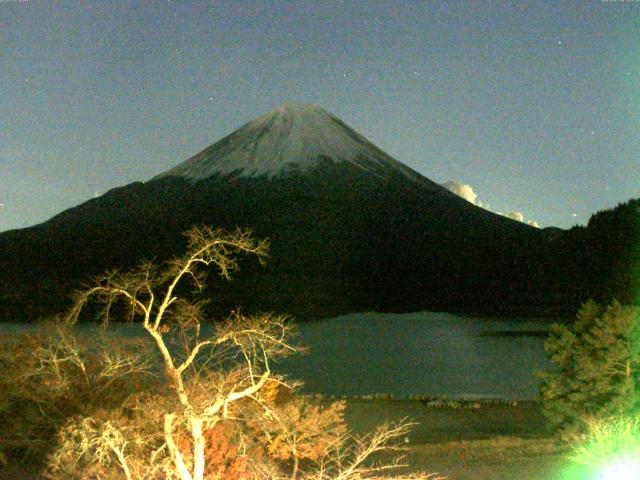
489,442
501,442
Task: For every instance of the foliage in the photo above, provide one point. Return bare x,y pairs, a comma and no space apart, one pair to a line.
222,454
303,430
296,429
597,366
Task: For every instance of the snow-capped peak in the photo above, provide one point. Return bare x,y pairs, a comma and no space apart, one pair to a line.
293,136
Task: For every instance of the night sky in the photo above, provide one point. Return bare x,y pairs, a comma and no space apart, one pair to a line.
535,105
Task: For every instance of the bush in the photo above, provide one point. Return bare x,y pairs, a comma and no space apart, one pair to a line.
597,361
50,376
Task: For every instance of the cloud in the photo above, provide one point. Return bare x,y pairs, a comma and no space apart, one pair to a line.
519,217
466,191
515,216
463,190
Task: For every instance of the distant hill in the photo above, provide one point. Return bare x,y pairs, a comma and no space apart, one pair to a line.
351,229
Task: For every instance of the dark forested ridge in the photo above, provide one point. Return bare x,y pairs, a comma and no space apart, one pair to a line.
341,241
600,260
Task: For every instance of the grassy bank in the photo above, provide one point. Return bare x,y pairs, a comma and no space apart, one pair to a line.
490,442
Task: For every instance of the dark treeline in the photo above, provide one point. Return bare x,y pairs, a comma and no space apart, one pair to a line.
599,261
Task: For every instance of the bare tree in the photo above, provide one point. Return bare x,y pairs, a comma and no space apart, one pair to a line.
150,294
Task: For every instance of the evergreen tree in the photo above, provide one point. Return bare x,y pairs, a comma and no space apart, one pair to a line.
597,366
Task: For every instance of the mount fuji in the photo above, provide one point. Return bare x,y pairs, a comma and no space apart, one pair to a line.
294,137
351,229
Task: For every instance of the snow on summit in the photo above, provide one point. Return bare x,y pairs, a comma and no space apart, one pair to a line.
293,136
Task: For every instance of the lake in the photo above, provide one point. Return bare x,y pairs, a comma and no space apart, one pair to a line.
423,353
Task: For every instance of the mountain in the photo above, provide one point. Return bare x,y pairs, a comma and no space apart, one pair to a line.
293,138
351,229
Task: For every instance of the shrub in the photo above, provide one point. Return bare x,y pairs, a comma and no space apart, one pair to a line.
50,376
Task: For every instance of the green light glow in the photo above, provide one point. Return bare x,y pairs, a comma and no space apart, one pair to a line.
625,468
611,451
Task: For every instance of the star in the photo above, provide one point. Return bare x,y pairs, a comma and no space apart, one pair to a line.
559,42
592,132
211,99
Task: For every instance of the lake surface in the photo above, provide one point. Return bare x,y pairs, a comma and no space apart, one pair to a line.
407,354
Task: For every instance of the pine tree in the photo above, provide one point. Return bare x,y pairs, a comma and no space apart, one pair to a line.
597,360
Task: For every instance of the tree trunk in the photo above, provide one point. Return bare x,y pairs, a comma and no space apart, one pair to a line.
198,448
294,473
181,468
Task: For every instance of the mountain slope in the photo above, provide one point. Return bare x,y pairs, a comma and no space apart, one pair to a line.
293,138
350,227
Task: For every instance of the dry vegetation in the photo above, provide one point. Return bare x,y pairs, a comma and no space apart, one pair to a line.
91,407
